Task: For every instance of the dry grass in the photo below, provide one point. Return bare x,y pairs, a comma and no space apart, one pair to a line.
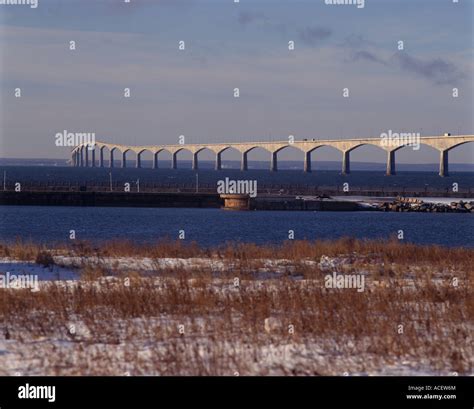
132,323
388,251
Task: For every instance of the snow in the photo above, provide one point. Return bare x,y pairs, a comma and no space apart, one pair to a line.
82,348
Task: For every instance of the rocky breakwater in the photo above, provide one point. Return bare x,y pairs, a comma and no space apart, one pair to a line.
401,204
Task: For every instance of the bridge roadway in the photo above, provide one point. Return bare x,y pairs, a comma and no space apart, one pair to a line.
84,155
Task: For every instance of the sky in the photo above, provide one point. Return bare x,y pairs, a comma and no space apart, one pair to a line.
231,45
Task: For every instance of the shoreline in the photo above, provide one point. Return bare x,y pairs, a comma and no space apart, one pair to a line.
321,202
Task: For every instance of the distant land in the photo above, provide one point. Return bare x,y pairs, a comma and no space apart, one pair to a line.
229,164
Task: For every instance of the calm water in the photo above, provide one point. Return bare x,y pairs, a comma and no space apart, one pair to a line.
214,226
356,179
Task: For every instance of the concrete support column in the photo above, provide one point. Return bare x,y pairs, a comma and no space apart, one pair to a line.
174,161
93,158
346,163
124,159
81,154
390,163
243,164
443,163
87,156
195,161
139,161
274,162
101,158
307,161
218,161
155,160
111,161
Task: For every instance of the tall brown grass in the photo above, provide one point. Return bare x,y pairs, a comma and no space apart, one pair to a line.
130,323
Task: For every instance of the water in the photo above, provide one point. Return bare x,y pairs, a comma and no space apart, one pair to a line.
356,180
211,227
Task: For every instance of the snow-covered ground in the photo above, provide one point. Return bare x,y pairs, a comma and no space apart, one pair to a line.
55,272
69,267
138,355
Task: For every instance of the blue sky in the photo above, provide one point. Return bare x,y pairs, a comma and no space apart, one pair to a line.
230,45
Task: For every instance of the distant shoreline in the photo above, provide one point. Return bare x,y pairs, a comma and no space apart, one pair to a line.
254,165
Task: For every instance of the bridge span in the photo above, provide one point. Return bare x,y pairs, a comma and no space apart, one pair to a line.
84,155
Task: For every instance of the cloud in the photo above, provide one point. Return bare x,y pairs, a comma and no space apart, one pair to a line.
439,71
367,56
248,17
356,41
312,36
120,7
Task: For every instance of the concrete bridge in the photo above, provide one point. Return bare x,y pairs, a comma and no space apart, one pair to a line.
84,155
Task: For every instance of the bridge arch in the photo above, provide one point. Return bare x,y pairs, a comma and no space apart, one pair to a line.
124,152
289,152
413,154
182,151
459,144
143,155
261,151
104,153
203,153
373,152
321,152
225,155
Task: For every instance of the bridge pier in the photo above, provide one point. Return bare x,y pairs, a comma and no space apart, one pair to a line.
124,159
87,156
174,161
101,157
346,162
139,161
443,163
307,162
111,160
390,163
195,161
218,161
244,163
274,162
155,160
93,158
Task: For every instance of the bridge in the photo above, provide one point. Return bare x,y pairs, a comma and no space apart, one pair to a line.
84,155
